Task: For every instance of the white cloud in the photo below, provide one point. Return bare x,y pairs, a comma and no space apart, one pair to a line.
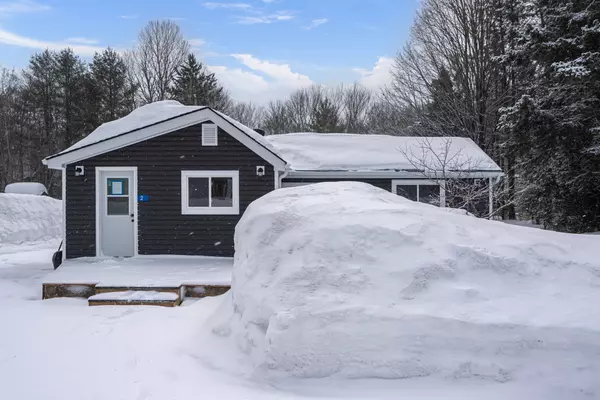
22,7
377,77
81,40
131,16
197,42
266,81
232,6
317,22
21,41
263,18
253,15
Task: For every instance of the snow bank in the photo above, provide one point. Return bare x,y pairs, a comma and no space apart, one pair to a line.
26,218
347,280
26,188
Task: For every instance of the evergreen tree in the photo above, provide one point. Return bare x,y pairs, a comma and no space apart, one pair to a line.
553,127
72,79
110,86
194,85
40,94
325,117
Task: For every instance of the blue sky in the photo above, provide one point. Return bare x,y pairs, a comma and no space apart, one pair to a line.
260,49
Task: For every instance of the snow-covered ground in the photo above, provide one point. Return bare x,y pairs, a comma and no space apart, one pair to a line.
548,341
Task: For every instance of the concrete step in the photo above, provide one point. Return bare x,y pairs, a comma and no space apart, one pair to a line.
135,297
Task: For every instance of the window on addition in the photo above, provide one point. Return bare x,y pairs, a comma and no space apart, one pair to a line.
423,191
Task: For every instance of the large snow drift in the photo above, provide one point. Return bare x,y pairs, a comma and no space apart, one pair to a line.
347,280
27,218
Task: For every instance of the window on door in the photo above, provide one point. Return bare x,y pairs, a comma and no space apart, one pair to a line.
117,196
422,191
210,192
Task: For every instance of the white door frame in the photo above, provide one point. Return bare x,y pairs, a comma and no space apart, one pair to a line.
99,186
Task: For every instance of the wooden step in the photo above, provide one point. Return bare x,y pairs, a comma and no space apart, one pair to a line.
135,298
198,291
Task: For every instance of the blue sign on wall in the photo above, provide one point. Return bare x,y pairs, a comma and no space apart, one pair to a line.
143,197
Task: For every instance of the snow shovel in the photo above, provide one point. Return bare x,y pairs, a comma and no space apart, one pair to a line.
57,257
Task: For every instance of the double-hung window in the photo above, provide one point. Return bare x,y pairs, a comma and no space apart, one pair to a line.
423,191
210,192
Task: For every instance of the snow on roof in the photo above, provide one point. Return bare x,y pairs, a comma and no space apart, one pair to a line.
354,152
154,113
141,117
252,133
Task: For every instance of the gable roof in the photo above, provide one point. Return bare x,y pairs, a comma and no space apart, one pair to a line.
156,119
375,153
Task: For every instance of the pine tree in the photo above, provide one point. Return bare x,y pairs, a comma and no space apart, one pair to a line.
110,86
40,93
553,126
194,85
325,117
71,77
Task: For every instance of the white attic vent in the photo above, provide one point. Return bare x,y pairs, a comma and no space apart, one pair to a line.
209,135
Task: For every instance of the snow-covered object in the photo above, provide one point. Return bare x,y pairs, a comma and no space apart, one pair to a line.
348,280
135,295
352,152
151,114
34,188
26,218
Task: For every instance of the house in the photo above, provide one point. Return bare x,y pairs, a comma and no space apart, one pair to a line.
174,179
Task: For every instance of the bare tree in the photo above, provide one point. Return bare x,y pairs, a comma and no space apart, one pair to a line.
322,109
449,167
357,102
161,49
247,113
445,75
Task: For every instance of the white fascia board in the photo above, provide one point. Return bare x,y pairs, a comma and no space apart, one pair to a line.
389,174
159,129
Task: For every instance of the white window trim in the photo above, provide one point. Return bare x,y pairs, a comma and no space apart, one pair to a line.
187,210
216,128
421,182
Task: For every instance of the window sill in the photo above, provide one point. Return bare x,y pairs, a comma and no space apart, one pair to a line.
210,211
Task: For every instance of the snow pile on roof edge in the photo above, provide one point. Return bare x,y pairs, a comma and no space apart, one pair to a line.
347,280
26,218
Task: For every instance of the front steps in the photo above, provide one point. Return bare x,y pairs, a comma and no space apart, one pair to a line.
101,295
135,297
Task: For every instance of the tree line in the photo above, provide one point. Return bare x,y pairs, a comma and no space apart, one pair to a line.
59,98
521,78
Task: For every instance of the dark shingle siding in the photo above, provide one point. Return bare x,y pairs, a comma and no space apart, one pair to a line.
162,229
385,184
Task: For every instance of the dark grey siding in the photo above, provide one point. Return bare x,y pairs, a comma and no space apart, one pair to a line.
385,184
162,229
477,205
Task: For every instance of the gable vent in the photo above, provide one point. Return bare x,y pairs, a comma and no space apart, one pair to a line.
209,134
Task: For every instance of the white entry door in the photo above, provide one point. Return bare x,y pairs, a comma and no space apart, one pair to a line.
117,212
